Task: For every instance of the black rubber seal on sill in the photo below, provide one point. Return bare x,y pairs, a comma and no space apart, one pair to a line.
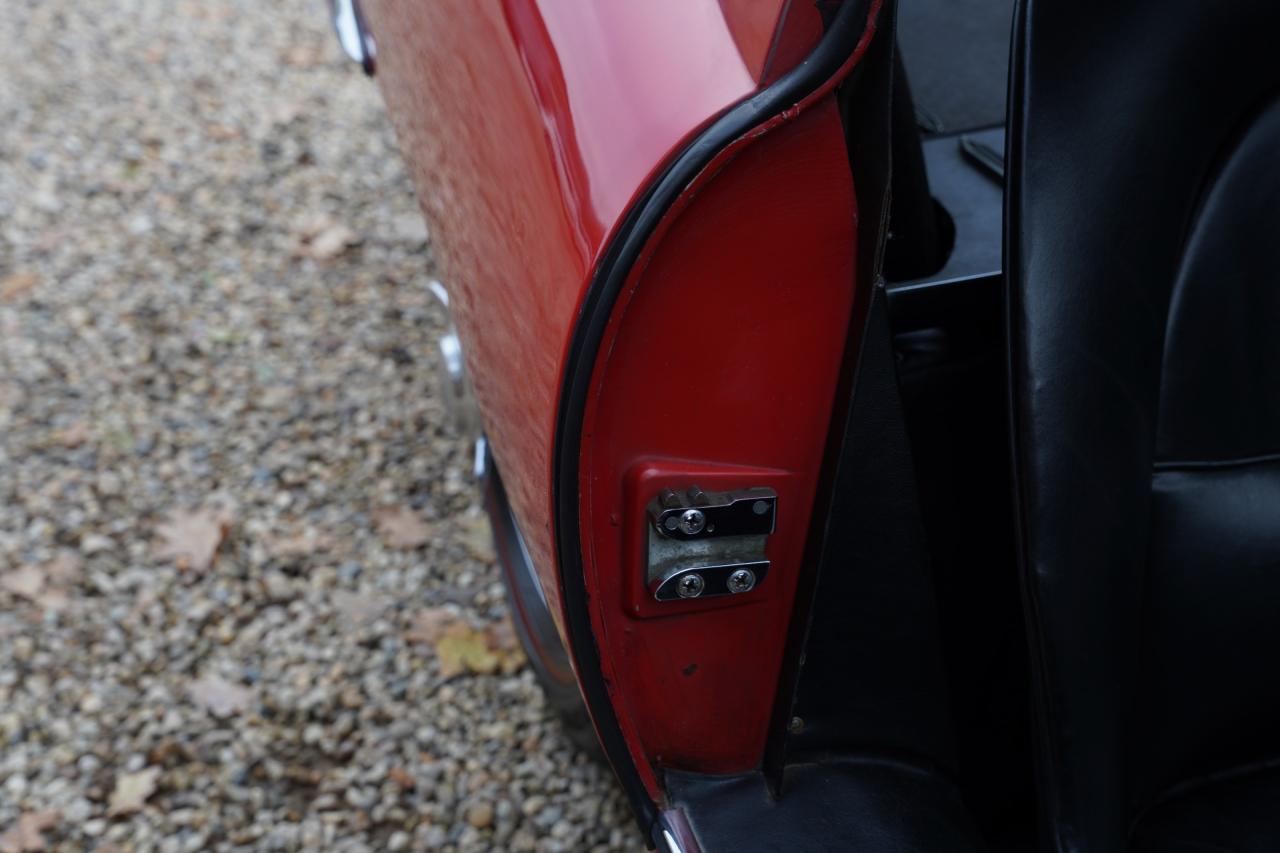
836,46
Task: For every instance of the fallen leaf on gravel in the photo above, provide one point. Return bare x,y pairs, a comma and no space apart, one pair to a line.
53,599
132,790
46,584
429,625
358,607
26,581
461,648
13,286
222,132
191,538
402,778
169,752
219,696
503,638
305,56
63,569
72,436
283,112
401,527
464,649
298,544
477,537
27,835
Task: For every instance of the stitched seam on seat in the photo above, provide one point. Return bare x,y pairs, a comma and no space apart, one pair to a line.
1209,464
1217,777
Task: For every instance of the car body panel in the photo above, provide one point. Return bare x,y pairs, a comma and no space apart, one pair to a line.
529,127
766,248
615,190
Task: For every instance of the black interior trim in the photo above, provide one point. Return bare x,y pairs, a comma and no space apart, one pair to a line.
837,44
866,107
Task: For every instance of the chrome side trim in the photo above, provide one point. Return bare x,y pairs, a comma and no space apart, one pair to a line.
455,388
355,40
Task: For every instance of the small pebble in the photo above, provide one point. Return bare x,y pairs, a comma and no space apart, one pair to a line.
480,815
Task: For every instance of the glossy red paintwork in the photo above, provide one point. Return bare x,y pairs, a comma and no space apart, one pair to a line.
529,126
724,355
753,24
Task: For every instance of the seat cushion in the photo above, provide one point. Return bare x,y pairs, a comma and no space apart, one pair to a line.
1141,216
1237,815
850,805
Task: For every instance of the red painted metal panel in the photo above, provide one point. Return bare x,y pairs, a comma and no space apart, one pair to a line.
723,354
753,23
528,128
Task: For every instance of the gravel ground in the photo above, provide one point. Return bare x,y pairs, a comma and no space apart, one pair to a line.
246,600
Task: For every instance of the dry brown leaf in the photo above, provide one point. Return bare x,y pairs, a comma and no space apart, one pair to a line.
72,436
504,640
464,649
45,585
429,625
401,527
63,570
27,835
296,545
283,112
14,285
477,538
53,599
132,790
359,607
402,778
220,697
206,12
222,132
24,581
305,55
191,538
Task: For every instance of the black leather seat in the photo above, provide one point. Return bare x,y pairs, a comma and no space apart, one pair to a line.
1143,266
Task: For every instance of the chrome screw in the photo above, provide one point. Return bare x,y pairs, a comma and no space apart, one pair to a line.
743,580
690,586
692,521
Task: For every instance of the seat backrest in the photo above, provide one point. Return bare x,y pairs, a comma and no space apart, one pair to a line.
1142,256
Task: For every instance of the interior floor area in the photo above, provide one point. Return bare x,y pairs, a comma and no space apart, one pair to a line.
957,58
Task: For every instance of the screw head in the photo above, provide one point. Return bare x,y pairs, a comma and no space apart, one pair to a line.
743,580
692,521
690,586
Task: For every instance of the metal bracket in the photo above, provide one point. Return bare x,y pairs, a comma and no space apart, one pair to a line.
708,544
696,514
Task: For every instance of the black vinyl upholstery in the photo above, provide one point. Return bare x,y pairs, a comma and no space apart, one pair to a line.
1142,257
